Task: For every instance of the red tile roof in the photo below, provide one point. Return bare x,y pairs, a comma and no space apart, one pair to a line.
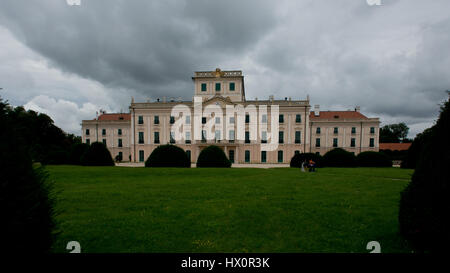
395,146
337,115
114,117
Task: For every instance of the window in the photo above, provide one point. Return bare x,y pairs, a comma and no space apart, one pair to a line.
203,135
103,132
217,120
247,137
188,119
217,86
281,118
231,120
88,141
188,153
172,137
280,156
318,142
264,137
141,156
353,130
335,142
318,130
372,130
120,143
120,156
156,120
336,130
297,152
188,138
140,120
141,137
203,87
231,135
298,118
156,137
119,132
263,156
172,119
353,142
264,118
231,156
232,86
247,118
87,132
280,137
217,134
297,137
104,141
247,156
203,120
372,142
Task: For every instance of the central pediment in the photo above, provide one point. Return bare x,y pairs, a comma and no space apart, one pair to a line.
219,100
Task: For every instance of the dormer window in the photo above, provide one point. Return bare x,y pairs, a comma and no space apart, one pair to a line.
218,86
203,87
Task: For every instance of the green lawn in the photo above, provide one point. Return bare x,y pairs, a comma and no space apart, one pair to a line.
119,209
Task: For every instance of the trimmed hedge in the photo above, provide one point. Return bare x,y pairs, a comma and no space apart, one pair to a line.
77,152
424,205
373,159
213,156
97,155
297,159
168,156
339,158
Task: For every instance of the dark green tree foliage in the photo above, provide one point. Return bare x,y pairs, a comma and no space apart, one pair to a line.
213,156
395,155
424,206
45,142
394,133
298,159
168,156
415,151
339,158
76,153
26,196
97,155
373,159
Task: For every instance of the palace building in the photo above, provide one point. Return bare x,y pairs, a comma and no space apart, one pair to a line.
256,131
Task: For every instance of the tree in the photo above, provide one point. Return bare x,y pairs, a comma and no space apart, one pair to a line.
26,196
339,158
394,133
424,206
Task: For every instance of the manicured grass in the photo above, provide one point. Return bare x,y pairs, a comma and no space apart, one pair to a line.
119,209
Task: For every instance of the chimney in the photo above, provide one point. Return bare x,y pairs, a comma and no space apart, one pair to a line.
357,108
271,98
164,99
316,110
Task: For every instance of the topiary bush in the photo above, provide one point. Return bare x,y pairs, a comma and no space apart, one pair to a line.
373,159
424,205
213,156
26,195
298,159
97,155
76,153
339,158
168,156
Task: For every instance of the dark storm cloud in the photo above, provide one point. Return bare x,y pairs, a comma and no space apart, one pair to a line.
391,60
150,46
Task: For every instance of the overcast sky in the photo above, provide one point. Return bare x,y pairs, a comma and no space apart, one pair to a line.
69,61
